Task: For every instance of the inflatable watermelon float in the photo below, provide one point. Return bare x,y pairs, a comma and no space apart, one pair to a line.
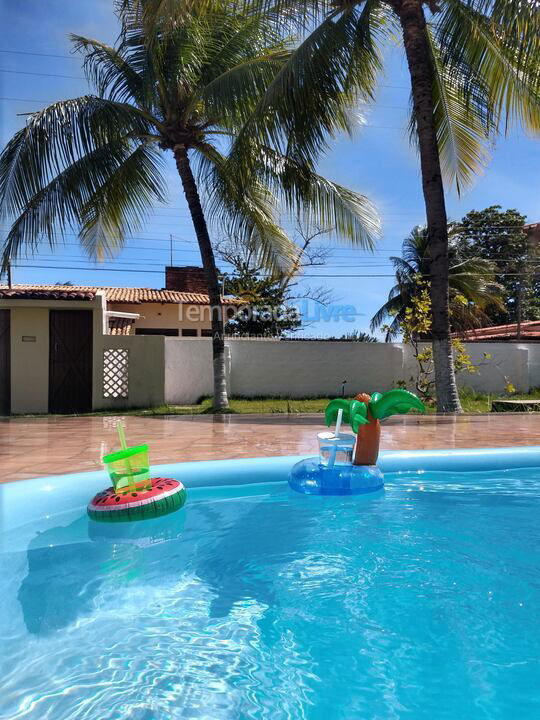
165,496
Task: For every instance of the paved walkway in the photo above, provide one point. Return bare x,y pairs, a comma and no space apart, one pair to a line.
35,447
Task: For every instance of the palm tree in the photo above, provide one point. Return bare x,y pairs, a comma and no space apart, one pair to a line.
364,414
95,163
474,67
470,278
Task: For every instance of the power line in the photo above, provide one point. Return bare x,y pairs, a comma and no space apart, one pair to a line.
159,272
38,54
34,100
40,74
58,236
78,57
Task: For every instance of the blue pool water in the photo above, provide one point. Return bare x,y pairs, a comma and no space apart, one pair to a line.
420,602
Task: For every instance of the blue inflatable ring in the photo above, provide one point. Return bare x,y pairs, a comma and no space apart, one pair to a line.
310,477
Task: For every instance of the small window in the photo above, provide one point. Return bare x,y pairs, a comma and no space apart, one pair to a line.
171,332
189,332
206,332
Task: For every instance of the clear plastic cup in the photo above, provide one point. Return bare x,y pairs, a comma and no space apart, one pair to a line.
129,469
336,449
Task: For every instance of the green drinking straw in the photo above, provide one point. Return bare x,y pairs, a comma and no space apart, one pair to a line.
122,436
123,445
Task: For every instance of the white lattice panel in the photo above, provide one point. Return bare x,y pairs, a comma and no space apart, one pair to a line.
115,373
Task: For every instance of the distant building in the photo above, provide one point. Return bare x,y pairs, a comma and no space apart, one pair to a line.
57,353
533,232
180,309
527,332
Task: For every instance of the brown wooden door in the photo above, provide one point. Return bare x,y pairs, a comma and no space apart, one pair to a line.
5,363
70,361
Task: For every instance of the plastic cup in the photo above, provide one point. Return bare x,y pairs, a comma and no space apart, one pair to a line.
336,449
129,469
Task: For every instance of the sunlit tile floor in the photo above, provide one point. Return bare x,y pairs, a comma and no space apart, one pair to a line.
35,447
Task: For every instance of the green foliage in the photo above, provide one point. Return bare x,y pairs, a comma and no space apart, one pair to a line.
355,336
497,236
483,57
93,165
264,309
416,329
474,292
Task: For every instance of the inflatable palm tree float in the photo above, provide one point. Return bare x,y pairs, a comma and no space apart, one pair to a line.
364,414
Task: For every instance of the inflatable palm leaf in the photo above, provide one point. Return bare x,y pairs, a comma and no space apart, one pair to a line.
394,402
354,412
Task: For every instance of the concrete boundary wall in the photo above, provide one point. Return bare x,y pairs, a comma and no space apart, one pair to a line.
303,369
179,371
300,369
145,371
189,369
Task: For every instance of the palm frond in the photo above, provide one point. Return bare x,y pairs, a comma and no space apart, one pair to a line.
502,58
56,137
248,213
460,120
310,97
55,207
390,310
109,71
317,200
119,206
231,96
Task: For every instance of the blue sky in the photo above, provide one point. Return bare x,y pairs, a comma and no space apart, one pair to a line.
377,162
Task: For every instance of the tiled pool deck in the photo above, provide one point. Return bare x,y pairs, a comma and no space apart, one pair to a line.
35,447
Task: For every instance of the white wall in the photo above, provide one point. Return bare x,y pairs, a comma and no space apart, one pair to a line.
188,369
300,369
146,371
508,361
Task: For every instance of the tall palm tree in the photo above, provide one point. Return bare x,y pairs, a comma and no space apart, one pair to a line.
95,163
474,68
470,278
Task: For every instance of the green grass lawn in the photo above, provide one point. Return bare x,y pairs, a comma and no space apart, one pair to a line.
244,406
472,402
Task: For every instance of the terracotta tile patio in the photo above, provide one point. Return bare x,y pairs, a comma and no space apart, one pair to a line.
36,447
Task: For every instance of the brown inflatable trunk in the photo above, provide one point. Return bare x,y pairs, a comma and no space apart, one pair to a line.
367,438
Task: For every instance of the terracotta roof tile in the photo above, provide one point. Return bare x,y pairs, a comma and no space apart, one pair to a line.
18,292
127,295
120,325
529,330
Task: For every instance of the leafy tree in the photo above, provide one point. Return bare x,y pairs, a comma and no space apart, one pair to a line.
264,311
416,329
94,164
474,294
268,301
358,336
474,69
497,235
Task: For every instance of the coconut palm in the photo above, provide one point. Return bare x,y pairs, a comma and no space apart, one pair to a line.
474,68
364,414
94,164
472,279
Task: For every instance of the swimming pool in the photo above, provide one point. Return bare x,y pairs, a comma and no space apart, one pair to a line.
421,601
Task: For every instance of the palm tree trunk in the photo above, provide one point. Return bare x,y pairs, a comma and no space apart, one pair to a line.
368,440
209,264
412,19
